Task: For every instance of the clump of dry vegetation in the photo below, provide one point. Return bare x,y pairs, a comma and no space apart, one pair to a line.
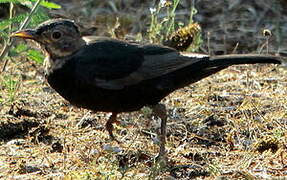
230,125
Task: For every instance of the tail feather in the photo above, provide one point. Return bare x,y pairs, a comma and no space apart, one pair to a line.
207,66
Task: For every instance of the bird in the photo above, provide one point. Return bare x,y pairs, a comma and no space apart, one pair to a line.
115,76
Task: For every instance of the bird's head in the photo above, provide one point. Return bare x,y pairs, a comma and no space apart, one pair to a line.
58,37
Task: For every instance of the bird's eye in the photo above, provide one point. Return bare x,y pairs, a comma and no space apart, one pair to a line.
56,35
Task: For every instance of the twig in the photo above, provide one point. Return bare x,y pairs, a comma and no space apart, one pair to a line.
23,25
208,42
235,48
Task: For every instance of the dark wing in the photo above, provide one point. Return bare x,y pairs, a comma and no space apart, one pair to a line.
108,60
113,64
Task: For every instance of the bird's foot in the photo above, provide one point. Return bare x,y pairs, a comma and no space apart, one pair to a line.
112,137
160,164
162,160
110,127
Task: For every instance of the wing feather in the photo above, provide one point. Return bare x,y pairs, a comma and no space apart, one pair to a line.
115,64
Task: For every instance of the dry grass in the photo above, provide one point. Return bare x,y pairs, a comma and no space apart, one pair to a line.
229,125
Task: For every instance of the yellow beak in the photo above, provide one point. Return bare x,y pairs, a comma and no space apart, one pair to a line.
25,34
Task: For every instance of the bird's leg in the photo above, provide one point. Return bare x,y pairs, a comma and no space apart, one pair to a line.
109,125
160,111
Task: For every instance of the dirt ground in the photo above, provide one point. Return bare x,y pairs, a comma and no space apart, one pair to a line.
231,125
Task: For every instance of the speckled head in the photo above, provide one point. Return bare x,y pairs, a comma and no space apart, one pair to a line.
58,37
51,24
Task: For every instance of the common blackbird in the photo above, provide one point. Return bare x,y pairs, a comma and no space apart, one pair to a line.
109,75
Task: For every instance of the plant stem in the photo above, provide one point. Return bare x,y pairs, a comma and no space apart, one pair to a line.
9,43
191,12
172,15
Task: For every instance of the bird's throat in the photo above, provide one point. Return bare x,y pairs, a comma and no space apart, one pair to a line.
52,64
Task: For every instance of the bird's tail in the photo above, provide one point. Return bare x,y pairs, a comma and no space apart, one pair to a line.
208,66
